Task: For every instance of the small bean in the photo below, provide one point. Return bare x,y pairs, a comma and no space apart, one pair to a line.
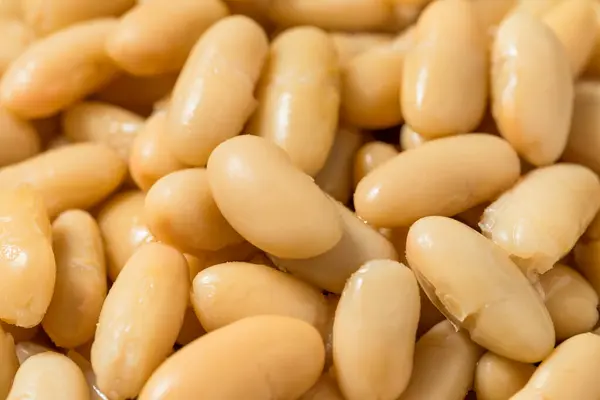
370,156
18,139
409,139
498,378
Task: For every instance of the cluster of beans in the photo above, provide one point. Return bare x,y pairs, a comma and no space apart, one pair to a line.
299,199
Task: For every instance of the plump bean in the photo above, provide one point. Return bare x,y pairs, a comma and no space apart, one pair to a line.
375,361
534,115
156,37
8,361
223,364
140,320
444,364
58,70
225,293
299,97
569,372
574,24
359,244
498,378
270,202
180,210
80,280
11,9
18,139
350,45
569,193
463,170
49,376
409,139
492,303
335,178
27,262
15,37
98,173
207,107
571,301
448,60
371,156
325,389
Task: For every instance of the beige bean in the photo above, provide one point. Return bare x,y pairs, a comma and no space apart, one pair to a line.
58,70
223,364
326,388
15,37
225,293
136,93
571,301
574,24
102,123
569,373
463,170
156,37
140,320
85,367
49,376
124,229
539,220
534,116
584,139
18,333
370,156
18,139
350,45
352,15
269,202
409,139
11,9
448,60
8,361
335,178
359,244
498,378
180,211
27,263
190,329
491,303
444,364
374,361
299,97
150,158
27,349
537,8
99,171
208,108
80,280
371,82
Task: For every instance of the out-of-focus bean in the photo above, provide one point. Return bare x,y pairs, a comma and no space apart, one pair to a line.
15,37
498,378
8,361
370,156
350,45
18,139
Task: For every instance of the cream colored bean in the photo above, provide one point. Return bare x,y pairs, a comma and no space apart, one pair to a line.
99,171
574,24
448,60
498,378
124,229
335,178
269,202
80,280
536,8
299,97
371,156
359,244
27,349
208,108
540,219
180,210
534,116
223,364
27,262
491,303
350,45
150,158
371,82
375,361
569,373
445,361
140,320
584,139
571,301
47,17
326,388
225,293
49,376
57,71
85,367
102,123
464,170
18,139
11,9
156,37
15,37
190,329
353,15
8,361
409,139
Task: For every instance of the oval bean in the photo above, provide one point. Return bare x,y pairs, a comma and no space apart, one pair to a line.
370,156
498,378
18,139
